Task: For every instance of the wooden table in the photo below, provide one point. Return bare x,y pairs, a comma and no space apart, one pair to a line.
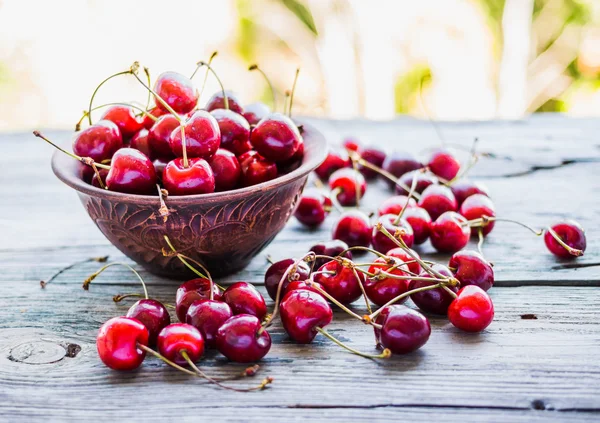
519,369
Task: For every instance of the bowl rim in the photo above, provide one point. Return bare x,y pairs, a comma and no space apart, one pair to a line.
67,170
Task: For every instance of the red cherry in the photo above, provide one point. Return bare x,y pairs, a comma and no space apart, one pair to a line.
226,170
403,330
331,248
190,291
235,131
382,243
179,337
239,341
293,162
381,289
449,233
571,233
313,207
125,119
243,298
197,178
395,204
301,312
131,172
177,90
435,300
470,268
419,221
351,144
399,253
423,181
295,285
117,343
153,314
255,112
437,199
332,162
353,228
276,137
443,164
100,141
217,101
140,142
276,271
256,169
376,157
156,112
202,136
159,136
207,316
340,281
476,206
398,163
103,174
346,182
472,310
464,188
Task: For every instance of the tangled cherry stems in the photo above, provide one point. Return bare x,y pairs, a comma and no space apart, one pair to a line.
225,99
89,279
386,353
411,193
210,59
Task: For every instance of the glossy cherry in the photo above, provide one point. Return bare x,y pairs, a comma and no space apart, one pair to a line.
293,163
176,338
400,253
202,136
217,101
207,316
301,312
177,90
346,182
351,144
160,134
276,137
389,221
437,199
424,180
131,172
190,291
100,141
276,271
125,119
443,164
313,207
226,170
381,289
94,178
571,233
255,112
353,228
256,169
235,131
243,298
157,112
404,330
139,141
294,285
395,204
477,206
472,310
373,155
470,268
419,221
398,163
331,248
332,162
449,233
196,178
117,343
340,281
153,314
464,188
239,340
435,300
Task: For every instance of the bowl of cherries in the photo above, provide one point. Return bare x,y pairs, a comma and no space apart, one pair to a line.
218,180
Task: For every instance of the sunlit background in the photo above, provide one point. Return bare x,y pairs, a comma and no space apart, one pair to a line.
449,59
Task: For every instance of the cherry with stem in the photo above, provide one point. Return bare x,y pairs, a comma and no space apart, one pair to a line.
101,259
210,59
133,106
90,107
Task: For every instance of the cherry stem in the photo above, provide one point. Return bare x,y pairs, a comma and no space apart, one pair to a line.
163,210
120,297
449,291
210,59
186,163
361,248
286,102
89,279
385,354
273,96
463,171
333,197
270,259
573,251
133,106
97,175
413,186
85,160
325,294
362,288
292,92
147,72
225,99
89,115
133,71
485,220
480,242
387,175
356,184
382,274
72,265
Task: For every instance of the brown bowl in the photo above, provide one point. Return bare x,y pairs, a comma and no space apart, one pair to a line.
222,230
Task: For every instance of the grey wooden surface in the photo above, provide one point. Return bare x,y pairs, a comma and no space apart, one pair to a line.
543,369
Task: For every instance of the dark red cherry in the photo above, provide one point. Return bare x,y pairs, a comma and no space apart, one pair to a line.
179,337
293,162
332,162
381,289
470,268
472,310
156,112
476,206
347,181
398,163
571,233
382,243
376,157
423,181
190,291
100,141
395,204
276,271
340,281
256,169
217,101
103,174
449,233
399,253
403,329
153,314
131,172
353,228
331,248
235,131
276,137
419,221
177,90
464,188
239,341
437,199
125,119
117,343
226,170
243,298
196,178
159,136
443,164
202,136
294,285
254,112
301,312
351,144
435,300
140,142
313,207
207,316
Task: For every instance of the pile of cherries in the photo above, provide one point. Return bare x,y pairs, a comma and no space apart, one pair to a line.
185,148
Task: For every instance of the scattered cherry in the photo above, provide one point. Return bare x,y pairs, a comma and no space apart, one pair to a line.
424,180
472,310
571,233
117,343
345,183
332,162
373,155
177,338
301,312
351,144
437,199
153,315
313,207
243,298
464,188
470,268
395,204
403,330
398,163
295,285
443,164
239,339
419,221
381,289
276,271
207,316
390,222
340,281
331,248
353,228
190,291
435,300
477,206
400,253
449,233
